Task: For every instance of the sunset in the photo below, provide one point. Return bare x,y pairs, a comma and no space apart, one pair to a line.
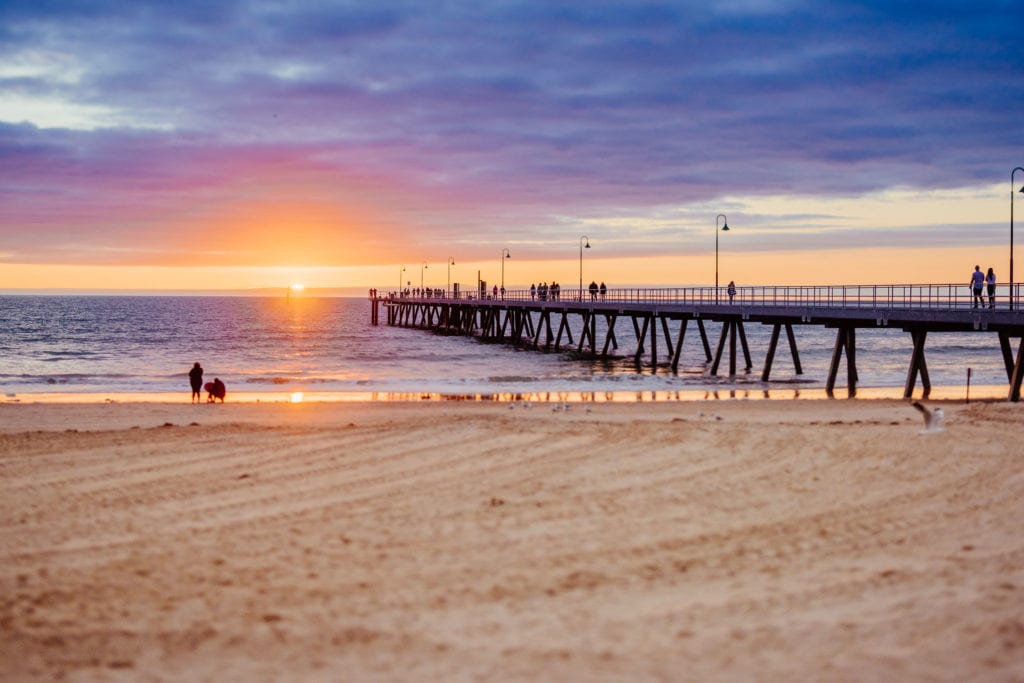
511,340
251,139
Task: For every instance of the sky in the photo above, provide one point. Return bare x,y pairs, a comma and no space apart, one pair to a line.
198,145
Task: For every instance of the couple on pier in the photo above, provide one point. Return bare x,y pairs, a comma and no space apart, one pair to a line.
979,281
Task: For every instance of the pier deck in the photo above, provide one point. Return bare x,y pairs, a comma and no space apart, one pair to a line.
523,319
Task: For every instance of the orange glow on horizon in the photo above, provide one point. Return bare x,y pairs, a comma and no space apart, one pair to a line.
846,266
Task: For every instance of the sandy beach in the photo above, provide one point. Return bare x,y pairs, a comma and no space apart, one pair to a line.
717,540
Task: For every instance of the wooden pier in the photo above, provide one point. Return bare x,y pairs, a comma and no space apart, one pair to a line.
523,320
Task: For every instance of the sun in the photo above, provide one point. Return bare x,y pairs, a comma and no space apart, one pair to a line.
297,287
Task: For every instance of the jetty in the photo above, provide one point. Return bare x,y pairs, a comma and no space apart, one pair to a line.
664,315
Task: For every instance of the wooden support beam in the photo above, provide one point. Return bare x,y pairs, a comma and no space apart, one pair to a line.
770,356
562,325
846,340
851,360
641,335
744,345
487,325
704,340
584,332
610,319
609,338
1018,374
545,320
792,349
732,349
654,340
1007,349
669,348
679,344
721,347
917,365
504,323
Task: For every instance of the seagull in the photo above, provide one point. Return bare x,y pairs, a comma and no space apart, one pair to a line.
932,418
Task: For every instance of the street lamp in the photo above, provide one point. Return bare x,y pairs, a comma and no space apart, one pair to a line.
425,266
583,238
725,227
451,262
1014,171
505,253
400,280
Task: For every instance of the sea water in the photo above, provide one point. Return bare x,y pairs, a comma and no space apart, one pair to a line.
97,345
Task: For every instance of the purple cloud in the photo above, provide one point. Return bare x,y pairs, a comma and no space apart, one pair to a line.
460,122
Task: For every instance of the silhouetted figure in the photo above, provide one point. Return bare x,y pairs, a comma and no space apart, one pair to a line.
731,290
195,378
593,290
604,291
215,390
990,280
977,285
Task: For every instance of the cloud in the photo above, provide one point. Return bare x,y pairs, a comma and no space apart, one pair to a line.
470,121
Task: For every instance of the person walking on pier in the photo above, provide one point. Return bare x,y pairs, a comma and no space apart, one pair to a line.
732,290
604,291
533,292
990,280
978,285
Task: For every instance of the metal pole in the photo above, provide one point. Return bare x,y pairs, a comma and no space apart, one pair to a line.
505,253
725,224
400,280
448,291
1014,171
583,238
421,277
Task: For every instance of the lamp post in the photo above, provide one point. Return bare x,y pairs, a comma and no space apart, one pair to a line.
424,267
725,227
505,253
583,238
400,280
451,262
1012,173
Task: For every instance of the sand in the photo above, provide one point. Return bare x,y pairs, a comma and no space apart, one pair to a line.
728,540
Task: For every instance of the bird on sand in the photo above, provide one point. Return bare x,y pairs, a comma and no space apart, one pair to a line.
933,419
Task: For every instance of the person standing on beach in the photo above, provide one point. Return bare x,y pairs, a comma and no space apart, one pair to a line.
977,285
990,280
195,378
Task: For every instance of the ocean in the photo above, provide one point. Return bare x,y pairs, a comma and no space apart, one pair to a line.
89,347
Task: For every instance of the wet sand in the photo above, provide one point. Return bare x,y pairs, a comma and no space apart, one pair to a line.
767,540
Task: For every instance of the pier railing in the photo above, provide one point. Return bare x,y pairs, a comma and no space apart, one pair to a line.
937,297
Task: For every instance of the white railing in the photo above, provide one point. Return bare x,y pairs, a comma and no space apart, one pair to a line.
945,297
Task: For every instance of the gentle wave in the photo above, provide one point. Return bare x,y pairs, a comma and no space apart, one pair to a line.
149,344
